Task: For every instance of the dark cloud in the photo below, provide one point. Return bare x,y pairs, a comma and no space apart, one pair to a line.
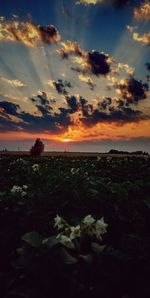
27,33
118,116
72,103
147,66
48,122
43,98
42,103
114,3
132,90
98,63
105,110
49,34
122,3
45,110
61,86
137,89
105,103
79,104
9,107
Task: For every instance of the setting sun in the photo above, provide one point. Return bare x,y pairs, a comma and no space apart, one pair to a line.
66,140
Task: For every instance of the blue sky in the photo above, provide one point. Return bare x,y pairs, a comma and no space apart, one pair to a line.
94,96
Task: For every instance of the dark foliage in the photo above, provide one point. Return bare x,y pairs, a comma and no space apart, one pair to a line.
38,148
114,187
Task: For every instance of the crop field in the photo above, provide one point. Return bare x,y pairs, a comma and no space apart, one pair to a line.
75,226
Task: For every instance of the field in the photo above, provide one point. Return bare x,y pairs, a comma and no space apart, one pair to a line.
74,226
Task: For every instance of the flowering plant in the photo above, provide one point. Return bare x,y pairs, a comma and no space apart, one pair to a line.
71,236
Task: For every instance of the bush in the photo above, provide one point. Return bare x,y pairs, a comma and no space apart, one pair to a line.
37,148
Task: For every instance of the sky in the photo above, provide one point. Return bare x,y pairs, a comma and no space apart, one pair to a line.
75,74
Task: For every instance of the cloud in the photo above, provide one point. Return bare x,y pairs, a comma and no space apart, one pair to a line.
131,28
43,98
89,2
27,33
118,67
103,112
60,86
70,48
87,80
106,110
77,112
142,38
94,62
131,90
13,83
115,3
147,66
142,12
72,103
118,116
99,63
42,104
47,122
121,3
9,118
9,107
105,103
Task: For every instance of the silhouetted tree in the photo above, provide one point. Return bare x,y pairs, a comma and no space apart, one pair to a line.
37,148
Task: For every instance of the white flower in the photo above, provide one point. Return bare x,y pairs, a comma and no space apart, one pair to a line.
88,220
100,228
59,222
16,189
19,190
74,171
65,240
75,232
21,161
24,186
35,168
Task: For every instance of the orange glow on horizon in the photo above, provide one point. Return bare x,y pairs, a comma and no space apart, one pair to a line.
81,133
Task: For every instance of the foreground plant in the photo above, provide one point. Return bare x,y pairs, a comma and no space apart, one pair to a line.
19,190
70,245
72,236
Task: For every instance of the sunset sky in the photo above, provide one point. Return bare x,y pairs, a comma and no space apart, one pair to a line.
75,73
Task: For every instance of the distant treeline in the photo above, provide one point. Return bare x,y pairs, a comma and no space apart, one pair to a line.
140,152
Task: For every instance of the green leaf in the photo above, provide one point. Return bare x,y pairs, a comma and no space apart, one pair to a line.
51,242
67,258
94,191
34,239
87,258
98,249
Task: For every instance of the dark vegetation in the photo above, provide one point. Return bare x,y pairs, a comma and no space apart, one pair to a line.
139,152
37,148
116,188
